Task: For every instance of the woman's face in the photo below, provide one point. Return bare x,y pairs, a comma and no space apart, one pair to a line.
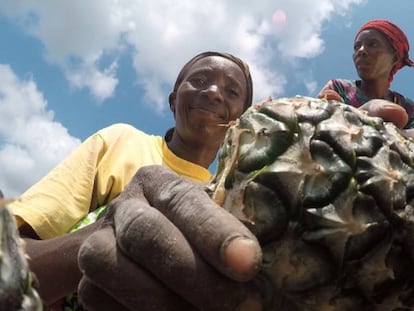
212,94
373,55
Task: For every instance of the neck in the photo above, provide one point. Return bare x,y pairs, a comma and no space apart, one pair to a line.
376,89
202,154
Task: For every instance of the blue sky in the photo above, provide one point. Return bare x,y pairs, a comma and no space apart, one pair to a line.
69,68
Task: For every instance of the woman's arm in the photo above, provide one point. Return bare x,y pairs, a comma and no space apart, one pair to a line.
55,261
328,92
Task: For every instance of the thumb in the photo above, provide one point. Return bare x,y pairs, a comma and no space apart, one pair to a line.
388,111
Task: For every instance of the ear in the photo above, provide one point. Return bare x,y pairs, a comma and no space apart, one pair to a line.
171,100
395,58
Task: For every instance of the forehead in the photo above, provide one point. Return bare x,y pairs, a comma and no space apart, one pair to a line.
218,63
369,34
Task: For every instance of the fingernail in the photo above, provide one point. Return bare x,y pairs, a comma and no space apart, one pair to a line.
242,257
251,304
389,105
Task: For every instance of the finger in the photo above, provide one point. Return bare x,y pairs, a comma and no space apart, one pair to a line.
102,263
152,240
218,236
386,110
395,114
95,299
331,95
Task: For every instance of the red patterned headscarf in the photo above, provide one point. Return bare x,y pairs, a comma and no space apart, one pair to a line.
398,41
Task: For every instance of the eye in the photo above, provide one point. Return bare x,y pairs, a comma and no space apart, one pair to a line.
357,46
199,81
233,92
374,43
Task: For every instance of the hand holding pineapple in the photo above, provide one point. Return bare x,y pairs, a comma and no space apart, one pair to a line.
166,246
388,111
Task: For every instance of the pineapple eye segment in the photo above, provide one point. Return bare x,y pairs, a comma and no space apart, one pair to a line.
17,284
264,140
341,195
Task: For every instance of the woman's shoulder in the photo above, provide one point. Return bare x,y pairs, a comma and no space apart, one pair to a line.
408,105
122,130
409,101
119,129
344,82
404,100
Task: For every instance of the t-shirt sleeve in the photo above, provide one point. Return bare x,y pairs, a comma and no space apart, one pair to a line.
63,196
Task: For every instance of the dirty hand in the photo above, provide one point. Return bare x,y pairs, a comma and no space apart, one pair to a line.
166,246
386,110
331,95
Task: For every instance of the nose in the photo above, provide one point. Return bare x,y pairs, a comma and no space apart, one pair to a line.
361,49
214,93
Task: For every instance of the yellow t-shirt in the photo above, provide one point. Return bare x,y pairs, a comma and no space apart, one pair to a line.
95,173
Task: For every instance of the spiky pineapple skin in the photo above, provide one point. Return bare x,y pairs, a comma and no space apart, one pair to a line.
17,292
329,193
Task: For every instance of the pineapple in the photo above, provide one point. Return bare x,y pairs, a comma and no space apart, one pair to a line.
16,283
329,193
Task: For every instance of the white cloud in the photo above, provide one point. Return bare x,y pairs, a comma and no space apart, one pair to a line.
163,34
76,36
32,142
101,84
83,37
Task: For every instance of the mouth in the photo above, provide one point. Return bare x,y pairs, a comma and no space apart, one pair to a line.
211,114
362,64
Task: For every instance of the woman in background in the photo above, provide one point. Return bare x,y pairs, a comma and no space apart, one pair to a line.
380,50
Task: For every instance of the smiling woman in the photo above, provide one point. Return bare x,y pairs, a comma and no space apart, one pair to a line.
380,50
212,90
206,100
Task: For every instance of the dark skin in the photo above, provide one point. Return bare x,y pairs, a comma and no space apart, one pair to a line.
184,249
207,100
163,245
57,271
374,59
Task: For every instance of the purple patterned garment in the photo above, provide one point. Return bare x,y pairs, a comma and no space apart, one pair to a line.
353,96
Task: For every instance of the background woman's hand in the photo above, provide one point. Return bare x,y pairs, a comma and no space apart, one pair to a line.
166,246
330,95
386,110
